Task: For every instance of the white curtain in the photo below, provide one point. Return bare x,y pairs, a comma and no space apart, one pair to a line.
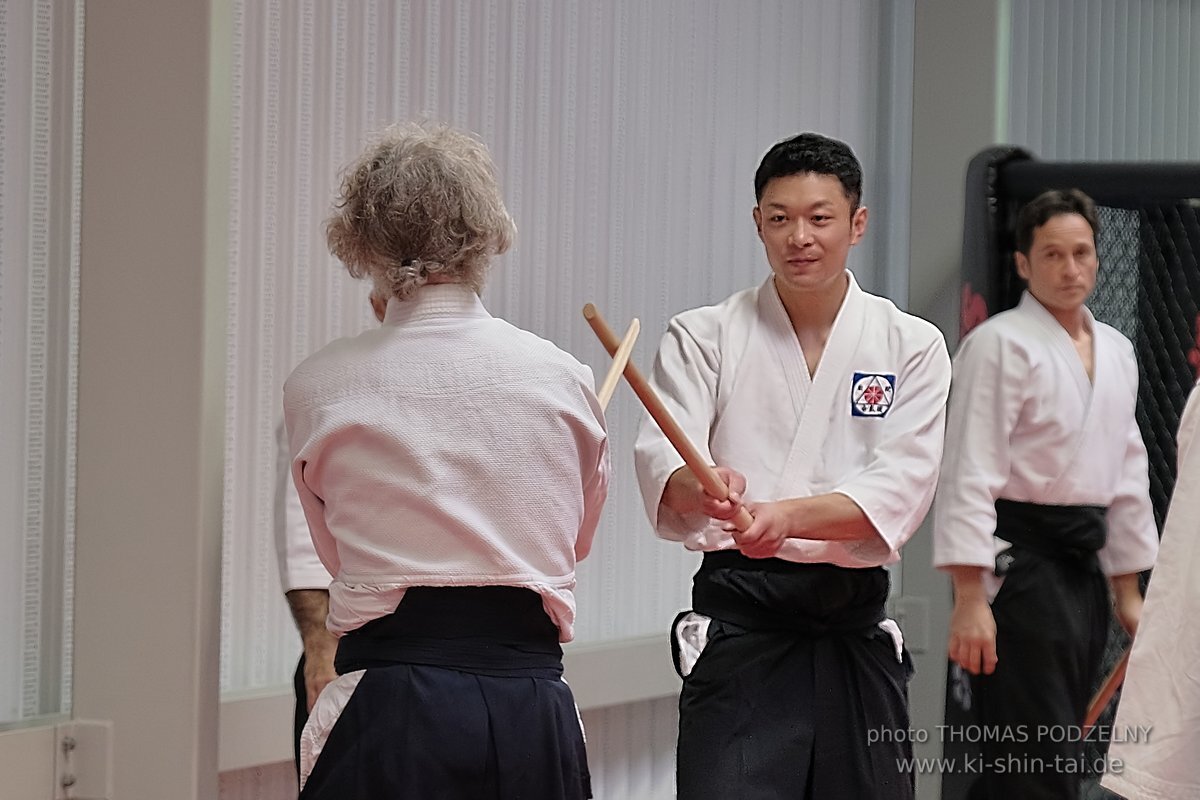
1105,80
626,136
40,104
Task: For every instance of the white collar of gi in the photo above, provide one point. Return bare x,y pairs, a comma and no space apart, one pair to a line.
852,290
1031,305
435,300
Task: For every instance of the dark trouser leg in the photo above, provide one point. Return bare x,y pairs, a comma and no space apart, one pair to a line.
1051,627
420,731
743,730
769,715
862,701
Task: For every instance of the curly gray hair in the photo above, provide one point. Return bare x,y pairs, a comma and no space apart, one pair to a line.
420,205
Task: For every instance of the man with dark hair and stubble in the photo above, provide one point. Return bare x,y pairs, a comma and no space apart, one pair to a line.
1043,508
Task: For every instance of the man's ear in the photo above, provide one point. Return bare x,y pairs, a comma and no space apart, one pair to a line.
858,224
758,221
1022,265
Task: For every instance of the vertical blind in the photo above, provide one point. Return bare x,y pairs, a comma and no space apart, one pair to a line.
40,110
626,136
1105,80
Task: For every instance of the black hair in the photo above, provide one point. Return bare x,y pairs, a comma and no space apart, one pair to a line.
816,154
1047,205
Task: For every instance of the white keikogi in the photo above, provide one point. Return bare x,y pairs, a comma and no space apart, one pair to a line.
391,503
868,425
1044,487
299,566
817,664
1025,423
1161,696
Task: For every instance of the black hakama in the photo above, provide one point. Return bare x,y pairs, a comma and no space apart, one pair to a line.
798,693
1051,624
300,715
462,698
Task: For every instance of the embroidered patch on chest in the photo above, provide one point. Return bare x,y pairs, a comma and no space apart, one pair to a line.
871,394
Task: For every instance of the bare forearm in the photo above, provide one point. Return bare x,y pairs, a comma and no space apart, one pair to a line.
309,609
829,517
972,641
968,583
1127,600
1125,587
680,493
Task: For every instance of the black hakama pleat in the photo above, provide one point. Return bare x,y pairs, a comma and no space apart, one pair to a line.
1051,624
798,693
462,698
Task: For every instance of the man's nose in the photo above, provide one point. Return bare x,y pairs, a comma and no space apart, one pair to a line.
801,234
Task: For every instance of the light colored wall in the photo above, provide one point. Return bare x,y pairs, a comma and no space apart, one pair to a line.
149,468
954,116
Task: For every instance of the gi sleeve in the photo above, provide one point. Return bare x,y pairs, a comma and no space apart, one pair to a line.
299,567
304,449
896,487
985,404
685,378
1132,544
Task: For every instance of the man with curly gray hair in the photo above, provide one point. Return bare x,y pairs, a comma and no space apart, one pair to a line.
421,206
452,469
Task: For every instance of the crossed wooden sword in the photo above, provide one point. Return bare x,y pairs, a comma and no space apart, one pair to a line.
622,348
